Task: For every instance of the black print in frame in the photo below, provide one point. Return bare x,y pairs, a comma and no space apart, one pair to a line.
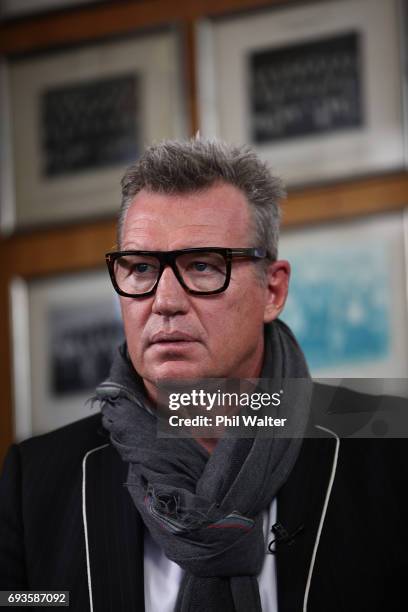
306,89
90,125
82,344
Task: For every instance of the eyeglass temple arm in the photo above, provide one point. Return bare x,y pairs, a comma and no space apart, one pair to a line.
259,253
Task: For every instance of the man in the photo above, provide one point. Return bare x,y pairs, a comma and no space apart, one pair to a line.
128,521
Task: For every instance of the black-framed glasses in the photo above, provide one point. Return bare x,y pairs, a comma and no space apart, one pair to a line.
200,271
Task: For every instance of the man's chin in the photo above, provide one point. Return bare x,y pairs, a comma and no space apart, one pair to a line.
177,370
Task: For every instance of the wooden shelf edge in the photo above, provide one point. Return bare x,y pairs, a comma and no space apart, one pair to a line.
99,21
353,198
59,250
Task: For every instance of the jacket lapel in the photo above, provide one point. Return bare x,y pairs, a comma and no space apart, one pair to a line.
114,533
300,506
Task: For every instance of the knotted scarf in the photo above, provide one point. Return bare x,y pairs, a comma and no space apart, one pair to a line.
205,511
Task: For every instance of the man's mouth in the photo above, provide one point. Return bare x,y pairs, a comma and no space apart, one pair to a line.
166,338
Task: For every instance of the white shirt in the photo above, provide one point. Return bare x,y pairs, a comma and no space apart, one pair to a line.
162,577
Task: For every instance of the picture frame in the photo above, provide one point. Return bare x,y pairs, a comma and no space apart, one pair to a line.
74,119
347,302
65,329
316,88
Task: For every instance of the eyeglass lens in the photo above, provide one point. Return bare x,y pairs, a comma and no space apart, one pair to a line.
204,271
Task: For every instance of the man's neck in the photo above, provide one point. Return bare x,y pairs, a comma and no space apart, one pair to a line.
208,443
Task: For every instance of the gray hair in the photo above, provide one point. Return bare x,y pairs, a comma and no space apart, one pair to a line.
176,167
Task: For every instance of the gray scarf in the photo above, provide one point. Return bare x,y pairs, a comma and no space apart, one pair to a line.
205,512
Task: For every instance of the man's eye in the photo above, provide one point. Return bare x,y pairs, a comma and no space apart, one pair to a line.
201,266
141,268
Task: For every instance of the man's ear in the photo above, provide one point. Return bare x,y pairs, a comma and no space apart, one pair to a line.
276,288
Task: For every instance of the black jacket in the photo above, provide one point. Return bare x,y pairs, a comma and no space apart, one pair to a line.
68,523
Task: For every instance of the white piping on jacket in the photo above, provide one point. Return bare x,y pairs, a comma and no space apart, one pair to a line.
88,565
323,515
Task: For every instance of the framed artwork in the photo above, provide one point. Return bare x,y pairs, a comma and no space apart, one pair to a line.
77,118
316,88
347,301
19,8
65,332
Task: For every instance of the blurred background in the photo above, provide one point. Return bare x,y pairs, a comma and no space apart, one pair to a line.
319,88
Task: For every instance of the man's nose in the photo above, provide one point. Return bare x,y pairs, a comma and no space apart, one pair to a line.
170,297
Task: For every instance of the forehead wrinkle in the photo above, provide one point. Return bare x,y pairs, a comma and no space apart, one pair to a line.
152,228
130,236
199,225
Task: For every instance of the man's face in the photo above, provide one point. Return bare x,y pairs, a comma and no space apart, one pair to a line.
222,333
